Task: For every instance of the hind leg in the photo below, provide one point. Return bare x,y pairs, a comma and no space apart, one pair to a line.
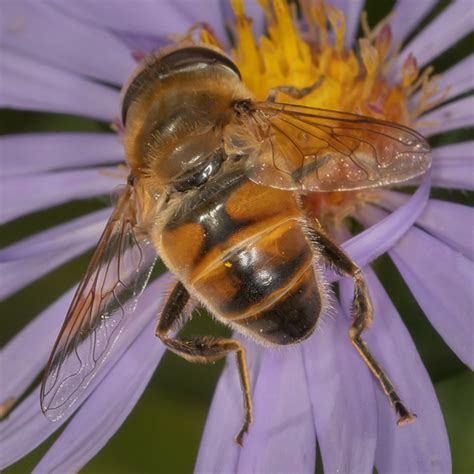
294,92
204,349
362,315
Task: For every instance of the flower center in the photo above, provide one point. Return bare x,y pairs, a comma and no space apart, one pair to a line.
350,81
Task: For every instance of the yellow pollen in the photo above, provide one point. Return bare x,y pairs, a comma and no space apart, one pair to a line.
355,80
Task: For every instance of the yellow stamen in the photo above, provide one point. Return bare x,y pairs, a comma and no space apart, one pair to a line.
354,81
410,71
370,58
338,24
364,24
238,7
383,42
208,38
286,56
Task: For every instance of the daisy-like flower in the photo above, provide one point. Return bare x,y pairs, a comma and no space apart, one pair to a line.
72,58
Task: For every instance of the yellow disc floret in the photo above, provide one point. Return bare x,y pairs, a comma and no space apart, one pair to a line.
358,80
351,80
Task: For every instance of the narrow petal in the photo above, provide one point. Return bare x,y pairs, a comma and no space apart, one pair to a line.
147,42
406,16
457,114
26,427
342,397
454,174
448,302
50,189
282,437
153,18
441,280
107,408
422,446
55,239
451,25
30,84
352,11
453,166
141,43
218,451
26,354
459,79
449,222
383,234
30,153
33,257
40,31
453,151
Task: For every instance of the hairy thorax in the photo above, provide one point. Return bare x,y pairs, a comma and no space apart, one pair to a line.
177,124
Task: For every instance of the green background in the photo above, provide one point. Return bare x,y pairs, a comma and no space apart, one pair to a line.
162,434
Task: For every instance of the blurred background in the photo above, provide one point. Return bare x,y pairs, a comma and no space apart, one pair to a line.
163,432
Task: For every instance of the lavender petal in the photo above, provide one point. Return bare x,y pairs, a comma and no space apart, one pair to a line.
54,239
149,18
26,426
40,31
458,78
106,409
457,114
141,43
449,222
422,446
26,354
383,234
451,25
447,302
453,166
406,15
24,429
49,189
342,397
282,437
30,84
33,257
30,153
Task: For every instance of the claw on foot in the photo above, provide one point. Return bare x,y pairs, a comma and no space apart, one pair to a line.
240,435
404,416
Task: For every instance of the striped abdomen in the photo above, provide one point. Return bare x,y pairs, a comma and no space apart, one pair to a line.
241,249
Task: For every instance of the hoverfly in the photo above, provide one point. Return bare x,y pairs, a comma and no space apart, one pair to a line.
215,189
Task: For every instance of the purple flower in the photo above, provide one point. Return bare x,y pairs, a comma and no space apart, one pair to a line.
70,57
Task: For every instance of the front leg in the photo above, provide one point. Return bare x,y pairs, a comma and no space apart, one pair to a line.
204,349
294,92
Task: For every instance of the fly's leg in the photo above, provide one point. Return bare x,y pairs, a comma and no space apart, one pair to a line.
204,349
294,92
362,317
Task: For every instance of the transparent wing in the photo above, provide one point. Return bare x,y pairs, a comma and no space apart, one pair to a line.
297,147
115,277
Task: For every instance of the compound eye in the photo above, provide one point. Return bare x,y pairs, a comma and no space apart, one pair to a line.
197,56
134,88
158,67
